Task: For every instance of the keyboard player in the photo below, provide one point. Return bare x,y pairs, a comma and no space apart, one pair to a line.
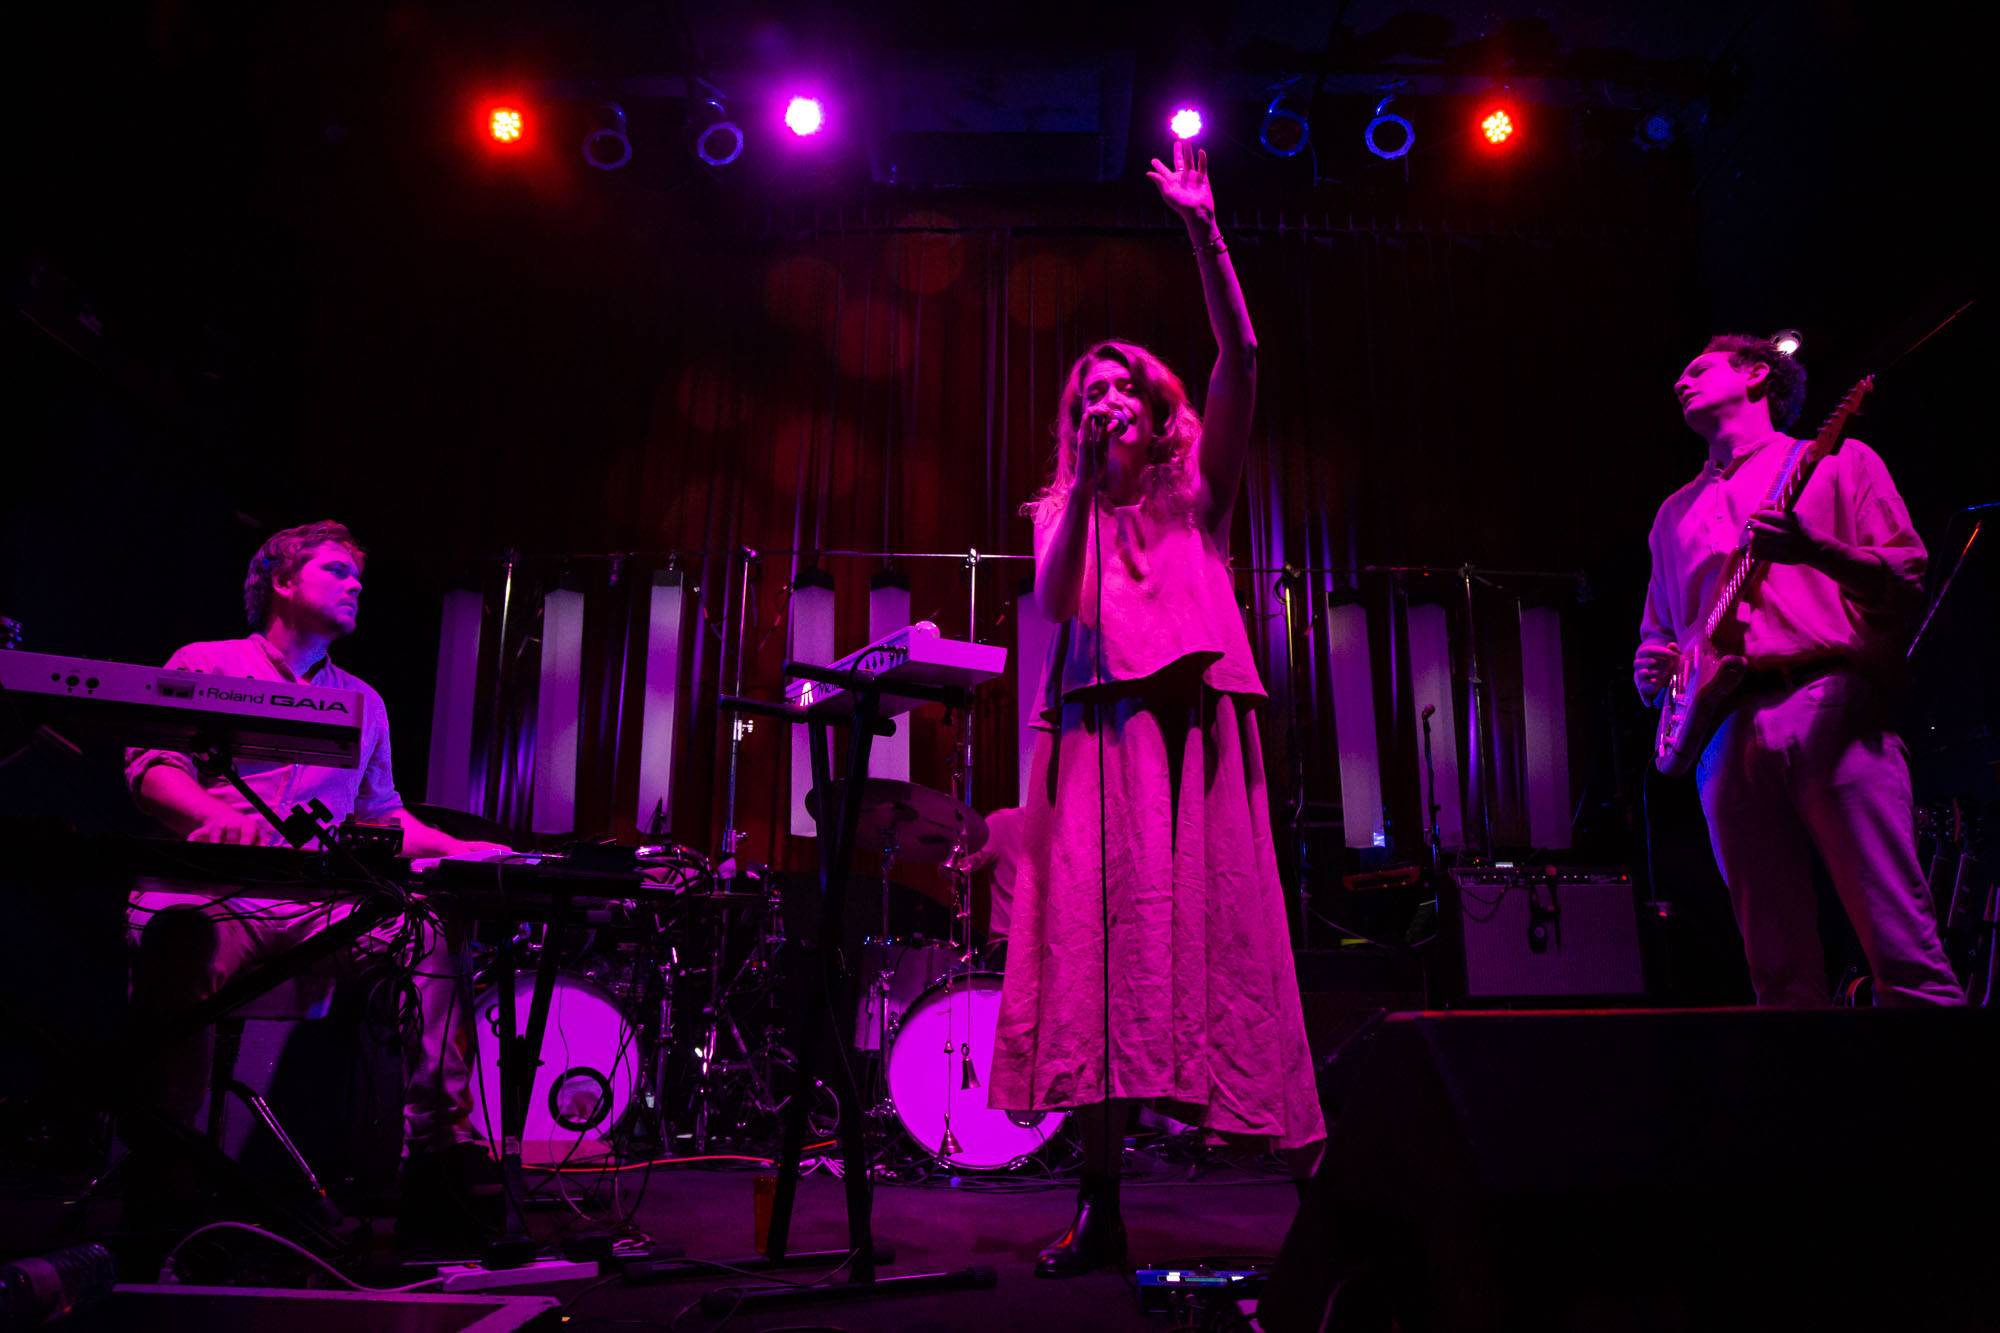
301,594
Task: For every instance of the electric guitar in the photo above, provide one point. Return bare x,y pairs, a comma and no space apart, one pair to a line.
1696,699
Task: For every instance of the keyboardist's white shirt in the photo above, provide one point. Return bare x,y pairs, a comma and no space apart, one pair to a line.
368,791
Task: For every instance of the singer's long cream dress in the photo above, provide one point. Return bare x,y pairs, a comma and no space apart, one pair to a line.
1204,1012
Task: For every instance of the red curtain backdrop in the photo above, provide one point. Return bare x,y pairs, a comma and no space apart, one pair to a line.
887,384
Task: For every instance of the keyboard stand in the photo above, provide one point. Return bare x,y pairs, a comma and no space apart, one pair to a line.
98,1073
520,1056
860,711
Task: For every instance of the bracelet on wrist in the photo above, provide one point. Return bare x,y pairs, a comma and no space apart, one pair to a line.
1214,245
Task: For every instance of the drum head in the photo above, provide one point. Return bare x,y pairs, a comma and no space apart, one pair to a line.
939,1062
586,1078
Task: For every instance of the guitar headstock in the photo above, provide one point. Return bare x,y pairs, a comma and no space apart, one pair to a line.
1834,428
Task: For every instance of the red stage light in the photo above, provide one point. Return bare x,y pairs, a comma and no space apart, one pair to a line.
506,124
1497,127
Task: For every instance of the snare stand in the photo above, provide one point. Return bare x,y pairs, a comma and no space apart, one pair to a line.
817,1012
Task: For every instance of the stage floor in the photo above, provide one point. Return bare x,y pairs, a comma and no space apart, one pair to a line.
1228,1211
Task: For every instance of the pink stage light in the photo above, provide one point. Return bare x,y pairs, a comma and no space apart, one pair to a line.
804,115
1185,123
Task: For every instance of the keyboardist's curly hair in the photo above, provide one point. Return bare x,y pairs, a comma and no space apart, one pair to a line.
284,553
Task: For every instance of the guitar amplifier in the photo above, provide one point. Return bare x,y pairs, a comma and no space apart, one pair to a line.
1547,932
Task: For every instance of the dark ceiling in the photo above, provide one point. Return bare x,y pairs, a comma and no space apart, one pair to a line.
1807,139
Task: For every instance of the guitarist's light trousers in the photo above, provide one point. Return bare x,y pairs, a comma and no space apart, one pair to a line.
1815,767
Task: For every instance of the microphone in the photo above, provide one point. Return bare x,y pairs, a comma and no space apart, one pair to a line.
1099,426
1109,419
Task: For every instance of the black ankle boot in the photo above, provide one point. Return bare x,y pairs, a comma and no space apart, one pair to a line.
1095,1239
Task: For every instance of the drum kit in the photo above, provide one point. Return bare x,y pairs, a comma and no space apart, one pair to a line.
928,1010
665,1032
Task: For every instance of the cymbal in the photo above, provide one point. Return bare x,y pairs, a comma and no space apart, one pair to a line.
458,824
918,823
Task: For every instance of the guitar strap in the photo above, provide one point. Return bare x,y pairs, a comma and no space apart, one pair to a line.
1777,488
1784,474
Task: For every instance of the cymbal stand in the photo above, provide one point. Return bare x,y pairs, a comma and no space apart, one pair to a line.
721,1025
659,962
883,986
961,776
711,1036
739,726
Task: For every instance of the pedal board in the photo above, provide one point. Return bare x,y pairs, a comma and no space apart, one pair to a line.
1163,1289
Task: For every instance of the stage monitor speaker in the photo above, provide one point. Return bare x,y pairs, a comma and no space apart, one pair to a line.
1642,1169
1547,932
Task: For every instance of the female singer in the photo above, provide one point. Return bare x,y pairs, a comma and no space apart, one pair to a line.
1149,956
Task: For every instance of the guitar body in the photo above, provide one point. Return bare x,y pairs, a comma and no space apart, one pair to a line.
1693,705
1698,697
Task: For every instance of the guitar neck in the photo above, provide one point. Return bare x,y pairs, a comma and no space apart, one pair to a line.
1743,567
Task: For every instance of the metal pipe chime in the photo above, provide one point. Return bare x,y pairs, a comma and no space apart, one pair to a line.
740,723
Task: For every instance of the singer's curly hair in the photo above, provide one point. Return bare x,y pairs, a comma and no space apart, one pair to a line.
1784,387
283,554
1171,475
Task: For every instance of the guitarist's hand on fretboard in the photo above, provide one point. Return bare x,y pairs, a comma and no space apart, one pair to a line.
1652,667
1781,537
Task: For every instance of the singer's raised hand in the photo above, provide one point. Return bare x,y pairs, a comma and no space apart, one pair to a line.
1184,186
1232,385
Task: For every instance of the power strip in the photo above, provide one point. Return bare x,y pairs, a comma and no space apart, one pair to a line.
472,1277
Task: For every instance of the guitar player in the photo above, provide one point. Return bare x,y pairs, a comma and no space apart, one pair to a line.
1804,761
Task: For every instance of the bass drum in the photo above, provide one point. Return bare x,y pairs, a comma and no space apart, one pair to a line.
587,1075
939,1059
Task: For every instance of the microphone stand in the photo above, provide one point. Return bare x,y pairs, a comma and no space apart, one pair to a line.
1479,775
1978,525
1432,833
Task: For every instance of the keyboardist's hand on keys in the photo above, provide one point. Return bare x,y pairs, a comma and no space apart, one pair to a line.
230,826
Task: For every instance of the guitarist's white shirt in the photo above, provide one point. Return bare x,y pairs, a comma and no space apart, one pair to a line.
1794,614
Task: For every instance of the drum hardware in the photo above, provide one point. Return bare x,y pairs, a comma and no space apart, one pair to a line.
907,821
731,1077
922,823
914,823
